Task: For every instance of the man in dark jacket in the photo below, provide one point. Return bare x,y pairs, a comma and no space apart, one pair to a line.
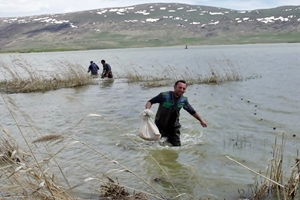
93,68
106,70
167,116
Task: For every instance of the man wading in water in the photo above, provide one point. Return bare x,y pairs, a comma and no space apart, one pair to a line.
167,116
93,68
106,70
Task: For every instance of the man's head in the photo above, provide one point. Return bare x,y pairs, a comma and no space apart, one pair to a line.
103,62
179,88
91,62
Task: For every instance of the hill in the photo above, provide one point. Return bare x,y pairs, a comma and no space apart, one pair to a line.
159,24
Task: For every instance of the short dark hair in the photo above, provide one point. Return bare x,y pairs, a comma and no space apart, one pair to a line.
102,61
179,81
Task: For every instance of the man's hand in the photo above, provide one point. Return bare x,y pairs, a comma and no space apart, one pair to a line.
148,105
203,123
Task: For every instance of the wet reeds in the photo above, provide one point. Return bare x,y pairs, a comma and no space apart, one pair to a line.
32,171
276,183
21,77
220,72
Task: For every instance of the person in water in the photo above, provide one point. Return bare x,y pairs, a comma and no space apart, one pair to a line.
93,68
106,70
167,116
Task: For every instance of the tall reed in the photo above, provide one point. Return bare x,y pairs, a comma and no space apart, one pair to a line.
275,183
31,174
22,77
224,71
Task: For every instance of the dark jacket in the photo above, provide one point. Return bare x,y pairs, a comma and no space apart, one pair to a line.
169,109
106,68
93,68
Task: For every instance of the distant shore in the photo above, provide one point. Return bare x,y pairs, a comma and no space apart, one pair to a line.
39,50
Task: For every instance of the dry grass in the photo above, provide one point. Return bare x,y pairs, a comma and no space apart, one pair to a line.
284,188
26,173
21,77
275,184
221,71
132,76
32,175
23,178
22,174
47,138
113,190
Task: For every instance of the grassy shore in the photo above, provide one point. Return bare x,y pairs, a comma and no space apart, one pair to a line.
116,41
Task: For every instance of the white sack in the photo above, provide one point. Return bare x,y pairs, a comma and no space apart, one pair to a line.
148,130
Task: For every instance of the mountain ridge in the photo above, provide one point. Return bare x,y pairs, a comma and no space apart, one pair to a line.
149,25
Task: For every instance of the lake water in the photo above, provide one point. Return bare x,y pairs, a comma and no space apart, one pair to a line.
243,118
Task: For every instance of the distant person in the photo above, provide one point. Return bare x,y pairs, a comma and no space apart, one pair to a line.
93,68
167,116
106,70
186,47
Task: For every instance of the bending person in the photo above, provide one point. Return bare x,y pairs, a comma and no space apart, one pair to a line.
93,68
106,70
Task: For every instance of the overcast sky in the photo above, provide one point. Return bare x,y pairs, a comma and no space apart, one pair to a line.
15,8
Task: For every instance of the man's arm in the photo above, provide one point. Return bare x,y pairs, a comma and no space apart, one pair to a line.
202,122
156,99
191,110
103,71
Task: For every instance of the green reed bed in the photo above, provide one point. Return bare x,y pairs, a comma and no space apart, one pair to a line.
21,77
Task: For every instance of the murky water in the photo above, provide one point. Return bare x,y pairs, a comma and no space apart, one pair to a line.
243,118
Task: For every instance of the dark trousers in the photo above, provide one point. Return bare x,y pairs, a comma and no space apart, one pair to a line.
172,133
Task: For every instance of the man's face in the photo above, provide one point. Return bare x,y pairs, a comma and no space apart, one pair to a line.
179,89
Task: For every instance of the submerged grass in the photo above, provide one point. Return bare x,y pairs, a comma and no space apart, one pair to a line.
21,77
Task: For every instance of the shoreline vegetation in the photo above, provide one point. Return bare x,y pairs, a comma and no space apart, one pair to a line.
219,72
22,77
32,171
